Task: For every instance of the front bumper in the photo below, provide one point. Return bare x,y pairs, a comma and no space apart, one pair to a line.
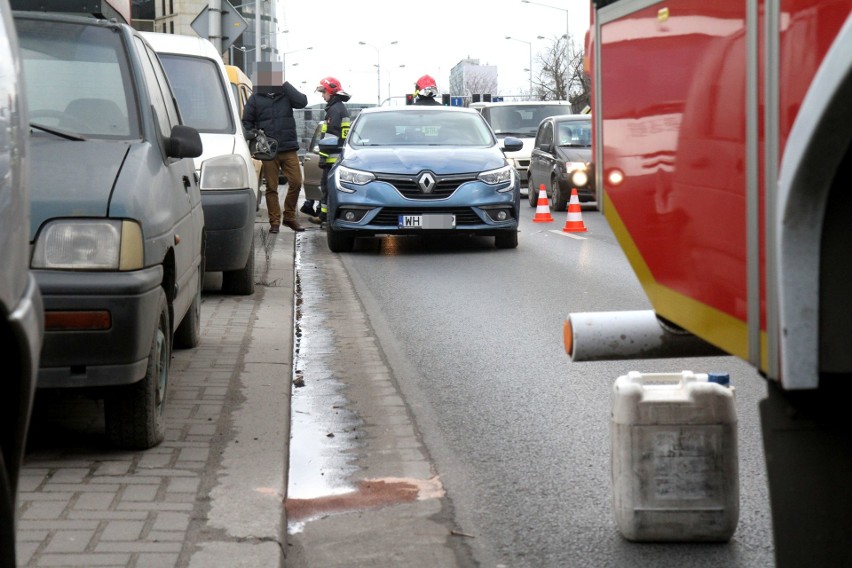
475,205
229,228
117,355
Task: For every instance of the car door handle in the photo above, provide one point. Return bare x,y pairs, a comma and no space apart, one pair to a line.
186,183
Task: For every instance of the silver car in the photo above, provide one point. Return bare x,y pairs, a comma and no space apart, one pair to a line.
22,324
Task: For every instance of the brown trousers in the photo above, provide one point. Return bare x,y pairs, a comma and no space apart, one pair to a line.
288,163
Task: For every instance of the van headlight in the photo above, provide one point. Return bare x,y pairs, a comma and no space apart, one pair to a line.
228,171
352,177
89,244
506,174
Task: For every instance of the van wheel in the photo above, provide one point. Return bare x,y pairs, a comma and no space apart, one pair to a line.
559,201
134,414
188,333
240,282
532,192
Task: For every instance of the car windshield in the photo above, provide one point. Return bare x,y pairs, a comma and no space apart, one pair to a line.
77,80
200,92
522,120
574,133
416,128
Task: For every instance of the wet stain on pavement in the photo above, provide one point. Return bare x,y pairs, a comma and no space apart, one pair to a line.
368,494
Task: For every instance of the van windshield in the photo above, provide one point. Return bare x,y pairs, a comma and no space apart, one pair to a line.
522,120
77,80
200,92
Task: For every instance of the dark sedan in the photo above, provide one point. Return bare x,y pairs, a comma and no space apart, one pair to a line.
562,160
422,170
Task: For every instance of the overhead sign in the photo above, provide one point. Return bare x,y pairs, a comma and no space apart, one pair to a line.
233,24
496,99
456,101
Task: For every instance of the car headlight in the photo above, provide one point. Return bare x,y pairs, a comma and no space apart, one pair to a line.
506,174
577,173
355,177
89,244
343,175
227,171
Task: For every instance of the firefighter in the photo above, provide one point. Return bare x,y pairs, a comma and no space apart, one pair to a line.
336,124
425,91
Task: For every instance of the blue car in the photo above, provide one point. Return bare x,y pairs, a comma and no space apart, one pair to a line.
422,170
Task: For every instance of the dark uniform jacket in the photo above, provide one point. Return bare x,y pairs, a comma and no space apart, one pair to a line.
273,113
425,101
335,112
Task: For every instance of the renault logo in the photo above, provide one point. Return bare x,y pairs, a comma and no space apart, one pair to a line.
427,182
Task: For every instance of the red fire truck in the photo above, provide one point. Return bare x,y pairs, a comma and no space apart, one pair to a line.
722,148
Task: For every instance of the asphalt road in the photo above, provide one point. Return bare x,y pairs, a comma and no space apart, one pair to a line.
469,340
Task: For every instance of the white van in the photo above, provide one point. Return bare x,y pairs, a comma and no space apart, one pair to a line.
520,120
229,183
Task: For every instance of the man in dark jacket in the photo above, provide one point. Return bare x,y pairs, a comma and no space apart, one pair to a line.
270,109
336,124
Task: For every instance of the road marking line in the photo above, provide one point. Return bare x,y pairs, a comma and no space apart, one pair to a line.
571,235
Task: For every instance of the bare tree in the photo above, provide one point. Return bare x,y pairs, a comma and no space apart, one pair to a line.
561,75
480,83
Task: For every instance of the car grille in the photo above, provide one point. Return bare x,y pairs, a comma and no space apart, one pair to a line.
390,215
444,186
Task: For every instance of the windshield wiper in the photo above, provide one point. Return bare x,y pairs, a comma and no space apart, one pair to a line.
56,132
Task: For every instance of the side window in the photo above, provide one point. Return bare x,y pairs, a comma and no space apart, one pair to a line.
158,89
314,148
545,135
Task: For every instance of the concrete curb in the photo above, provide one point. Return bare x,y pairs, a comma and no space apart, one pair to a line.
246,525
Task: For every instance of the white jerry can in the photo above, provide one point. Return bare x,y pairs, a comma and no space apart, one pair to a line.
674,457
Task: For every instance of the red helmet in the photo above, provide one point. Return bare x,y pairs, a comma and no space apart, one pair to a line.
329,85
426,86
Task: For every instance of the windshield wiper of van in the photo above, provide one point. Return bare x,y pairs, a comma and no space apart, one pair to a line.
56,132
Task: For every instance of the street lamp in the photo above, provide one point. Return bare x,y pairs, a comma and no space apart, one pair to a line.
567,28
378,68
284,56
529,44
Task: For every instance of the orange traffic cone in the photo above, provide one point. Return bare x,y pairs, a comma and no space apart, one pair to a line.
542,209
574,222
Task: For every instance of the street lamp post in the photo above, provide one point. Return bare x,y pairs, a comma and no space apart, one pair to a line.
529,44
378,68
567,19
567,39
284,55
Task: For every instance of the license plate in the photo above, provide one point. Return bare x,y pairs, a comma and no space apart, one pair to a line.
427,221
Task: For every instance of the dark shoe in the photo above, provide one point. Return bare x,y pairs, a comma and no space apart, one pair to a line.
293,224
308,209
273,228
315,220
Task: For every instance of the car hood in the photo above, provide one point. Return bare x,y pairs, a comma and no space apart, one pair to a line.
73,178
411,160
570,154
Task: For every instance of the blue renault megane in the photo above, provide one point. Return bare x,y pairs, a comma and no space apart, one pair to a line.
420,171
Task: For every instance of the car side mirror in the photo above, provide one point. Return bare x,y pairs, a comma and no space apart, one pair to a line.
511,144
329,145
184,142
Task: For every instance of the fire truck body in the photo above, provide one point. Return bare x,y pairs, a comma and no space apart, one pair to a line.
723,151
698,108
